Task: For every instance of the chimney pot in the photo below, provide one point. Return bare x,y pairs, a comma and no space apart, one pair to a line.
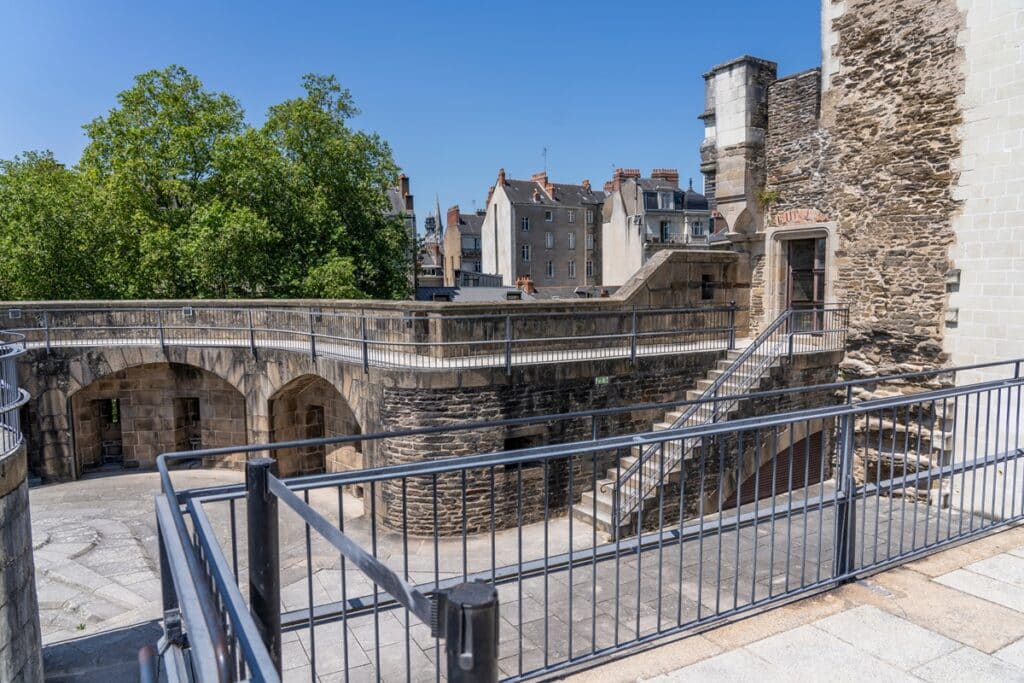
501,176
586,184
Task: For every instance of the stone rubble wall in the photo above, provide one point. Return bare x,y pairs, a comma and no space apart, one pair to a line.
20,638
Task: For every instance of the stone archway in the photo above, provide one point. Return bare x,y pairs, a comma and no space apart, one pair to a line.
310,407
128,417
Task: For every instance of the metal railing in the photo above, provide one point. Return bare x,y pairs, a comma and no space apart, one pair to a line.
769,509
419,340
12,398
794,331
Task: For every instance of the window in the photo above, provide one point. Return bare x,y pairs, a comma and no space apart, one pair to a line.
572,269
590,216
665,201
572,215
524,222
549,216
550,269
525,251
650,200
590,268
707,288
475,266
590,241
666,231
549,240
572,240
697,229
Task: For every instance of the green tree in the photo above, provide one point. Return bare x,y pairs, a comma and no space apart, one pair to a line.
52,244
176,196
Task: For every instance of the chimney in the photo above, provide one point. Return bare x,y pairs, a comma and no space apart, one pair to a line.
624,173
550,189
669,175
453,216
403,184
525,283
490,193
609,186
501,176
541,177
586,184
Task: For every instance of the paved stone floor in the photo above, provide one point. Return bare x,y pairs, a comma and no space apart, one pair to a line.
96,564
957,615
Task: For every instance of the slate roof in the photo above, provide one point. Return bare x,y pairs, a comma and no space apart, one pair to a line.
470,294
470,223
521,192
397,201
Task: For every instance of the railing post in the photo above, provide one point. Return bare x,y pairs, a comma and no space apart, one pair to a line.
508,345
632,343
846,504
264,558
732,325
471,633
252,335
169,598
312,337
46,330
160,327
366,346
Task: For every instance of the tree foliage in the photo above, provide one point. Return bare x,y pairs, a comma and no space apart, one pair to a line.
177,196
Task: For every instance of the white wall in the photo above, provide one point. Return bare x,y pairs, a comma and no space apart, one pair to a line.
499,259
622,246
990,228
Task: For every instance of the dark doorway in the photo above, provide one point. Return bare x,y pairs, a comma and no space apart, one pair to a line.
805,282
794,468
187,424
109,410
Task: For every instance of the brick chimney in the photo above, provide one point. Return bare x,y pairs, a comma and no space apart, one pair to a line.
403,190
525,283
501,177
541,177
669,175
609,186
586,184
624,173
453,216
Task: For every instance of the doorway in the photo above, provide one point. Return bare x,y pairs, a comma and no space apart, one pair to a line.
109,410
805,280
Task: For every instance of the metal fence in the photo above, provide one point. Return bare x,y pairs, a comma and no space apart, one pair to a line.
765,510
810,330
11,397
418,340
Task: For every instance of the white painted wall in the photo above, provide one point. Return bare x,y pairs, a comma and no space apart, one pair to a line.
498,236
990,228
622,246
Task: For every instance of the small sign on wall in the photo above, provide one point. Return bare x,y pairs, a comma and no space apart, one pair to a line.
602,379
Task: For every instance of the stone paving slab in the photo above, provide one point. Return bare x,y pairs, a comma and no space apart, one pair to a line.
906,624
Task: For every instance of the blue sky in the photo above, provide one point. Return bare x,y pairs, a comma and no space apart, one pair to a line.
459,89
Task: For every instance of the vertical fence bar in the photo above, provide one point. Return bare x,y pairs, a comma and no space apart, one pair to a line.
846,511
46,330
508,345
366,348
732,325
312,336
264,554
632,339
252,335
160,327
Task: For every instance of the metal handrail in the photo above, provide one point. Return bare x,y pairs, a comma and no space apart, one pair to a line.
764,351
404,339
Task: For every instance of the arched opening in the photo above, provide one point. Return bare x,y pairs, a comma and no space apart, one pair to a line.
744,223
310,407
127,418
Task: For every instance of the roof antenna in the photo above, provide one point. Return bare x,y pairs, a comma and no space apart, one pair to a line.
691,182
544,153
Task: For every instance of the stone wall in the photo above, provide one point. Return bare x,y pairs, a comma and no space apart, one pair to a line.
795,145
20,639
153,406
538,390
311,408
892,111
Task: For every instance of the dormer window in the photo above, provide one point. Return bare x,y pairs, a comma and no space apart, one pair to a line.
665,201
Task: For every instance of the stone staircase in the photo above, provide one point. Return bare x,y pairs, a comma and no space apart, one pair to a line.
913,440
739,380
